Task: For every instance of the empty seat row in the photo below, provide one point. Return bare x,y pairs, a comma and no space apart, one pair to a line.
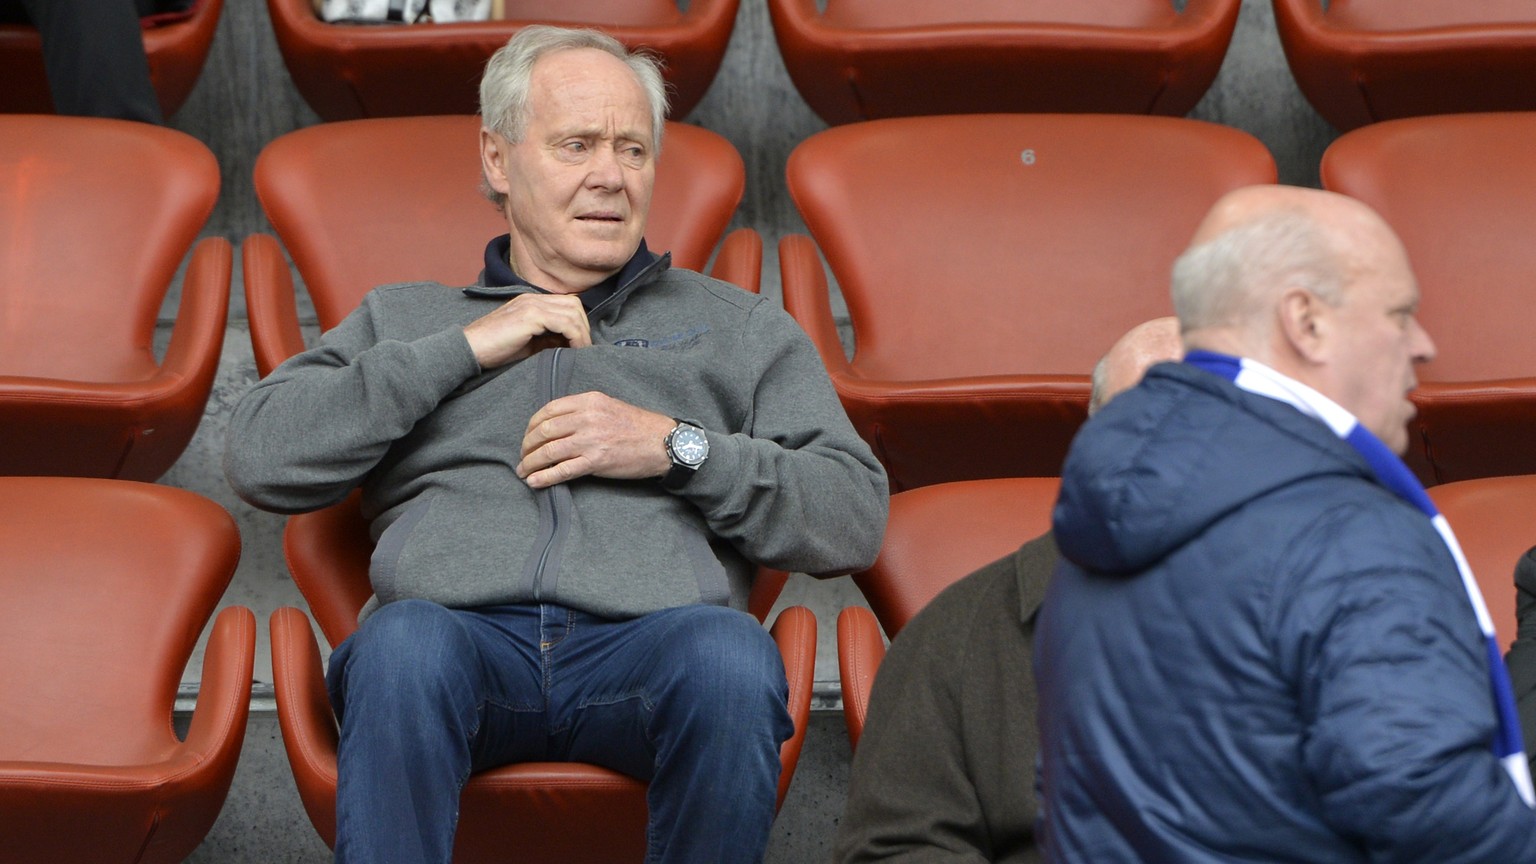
1357,61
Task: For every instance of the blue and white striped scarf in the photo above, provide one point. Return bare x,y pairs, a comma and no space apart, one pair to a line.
1390,471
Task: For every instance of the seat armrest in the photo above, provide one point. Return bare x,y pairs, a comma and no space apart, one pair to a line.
305,716
193,799
198,334
740,260
270,302
795,633
224,694
860,648
807,298
169,406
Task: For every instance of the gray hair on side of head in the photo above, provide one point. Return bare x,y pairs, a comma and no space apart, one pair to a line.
1233,279
508,78
1100,381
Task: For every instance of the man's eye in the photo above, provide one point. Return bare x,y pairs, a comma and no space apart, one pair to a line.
575,146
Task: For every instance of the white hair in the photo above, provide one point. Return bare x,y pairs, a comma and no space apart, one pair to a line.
1234,278
508,78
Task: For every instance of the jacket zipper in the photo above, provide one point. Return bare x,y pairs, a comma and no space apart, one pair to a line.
554,511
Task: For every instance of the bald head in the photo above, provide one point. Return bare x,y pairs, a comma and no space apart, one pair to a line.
1314,285
1260,241
1144,345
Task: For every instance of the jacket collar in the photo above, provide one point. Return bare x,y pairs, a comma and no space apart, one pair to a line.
499,282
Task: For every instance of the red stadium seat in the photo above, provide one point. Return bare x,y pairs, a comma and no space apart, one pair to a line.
868,59
935,536
538,808
176,50
107,584
95,217
1460,190
348,71
987,261
1360,61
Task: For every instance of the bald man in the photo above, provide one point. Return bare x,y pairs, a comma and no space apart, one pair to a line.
1258,646
945,768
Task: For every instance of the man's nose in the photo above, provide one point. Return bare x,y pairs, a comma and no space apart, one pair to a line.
605,171
1422,346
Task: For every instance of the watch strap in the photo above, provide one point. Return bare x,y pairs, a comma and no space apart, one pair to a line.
680,473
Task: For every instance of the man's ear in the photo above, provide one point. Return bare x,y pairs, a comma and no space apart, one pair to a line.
493,160
1304,321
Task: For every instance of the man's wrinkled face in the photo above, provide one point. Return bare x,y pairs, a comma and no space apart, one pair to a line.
578,185
1377,341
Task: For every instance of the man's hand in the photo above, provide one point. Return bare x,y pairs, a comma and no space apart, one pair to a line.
525,324
593,433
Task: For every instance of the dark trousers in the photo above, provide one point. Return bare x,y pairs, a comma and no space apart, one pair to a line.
93,51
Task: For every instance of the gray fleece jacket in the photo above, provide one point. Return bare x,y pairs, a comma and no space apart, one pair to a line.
393,400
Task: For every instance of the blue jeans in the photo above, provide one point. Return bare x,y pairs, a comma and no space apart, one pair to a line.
691,700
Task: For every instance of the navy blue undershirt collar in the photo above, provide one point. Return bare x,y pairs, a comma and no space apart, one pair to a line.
498,273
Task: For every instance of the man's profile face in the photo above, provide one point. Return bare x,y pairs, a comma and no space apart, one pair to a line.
1378,341
579,184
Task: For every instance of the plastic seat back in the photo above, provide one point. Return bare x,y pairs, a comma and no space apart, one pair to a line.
935,536
175,47
364,203
869,59
95,218
107,586
349,71
1363,61
1493,519
987,261
1460,191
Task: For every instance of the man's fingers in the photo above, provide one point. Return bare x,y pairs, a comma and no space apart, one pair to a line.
557,419
594,434
559,472
539,433
543,455
527,324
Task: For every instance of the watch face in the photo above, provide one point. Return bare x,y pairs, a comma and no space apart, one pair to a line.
689,446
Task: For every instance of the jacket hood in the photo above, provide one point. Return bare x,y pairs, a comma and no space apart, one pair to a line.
1175,454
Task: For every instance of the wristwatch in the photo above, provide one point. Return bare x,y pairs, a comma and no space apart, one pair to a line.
687,448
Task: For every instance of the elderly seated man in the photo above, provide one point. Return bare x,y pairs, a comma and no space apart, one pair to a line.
570,467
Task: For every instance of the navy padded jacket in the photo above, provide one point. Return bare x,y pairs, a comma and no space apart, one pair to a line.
1252,651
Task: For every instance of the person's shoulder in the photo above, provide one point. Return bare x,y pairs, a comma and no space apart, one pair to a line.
408,300
704,287
398,291
1361,514
1348,532
974,607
